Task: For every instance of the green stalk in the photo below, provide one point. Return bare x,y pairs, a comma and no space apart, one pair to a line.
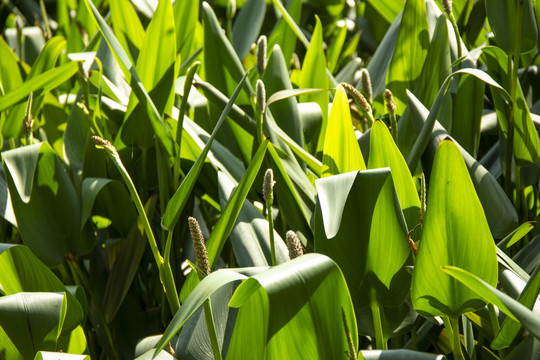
180,125
456,342
513,66
211,329
165,274
271,229
377,326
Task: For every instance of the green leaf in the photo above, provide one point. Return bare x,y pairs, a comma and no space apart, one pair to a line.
186,15
399,354
488,293
341,152
516,235
127,27
249,237
225,224
179,199
283,35
43,82
32,321
45,203
455,231
336,47
410,52
22,271
314,76
359,224
509,334
389,10
221,65
293,311
161,131
206,287
499,210
503,19
247,26
384,153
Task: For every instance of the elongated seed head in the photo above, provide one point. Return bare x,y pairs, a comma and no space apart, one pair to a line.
268,184
447,6
261,54
261,95
198,245
390,103
98,140
294,245
366,85
357,96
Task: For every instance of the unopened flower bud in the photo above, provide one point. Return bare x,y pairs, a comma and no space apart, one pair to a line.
261,95
390,103
357,96
268,185
447,4
366,85
261,54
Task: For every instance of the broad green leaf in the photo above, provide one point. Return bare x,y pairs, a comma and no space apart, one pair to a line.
526,142
511,329
467,113
455,231
247,26
179,199
489,293
186,15
249,237
314,76
32,321
45,203
222,67
341,152
156,70
43,82
506,23
359,224
285,113
410,52
10,74
161,131
389,10
499,210
293,311
336,46
127,27
21,271
283,35
384,153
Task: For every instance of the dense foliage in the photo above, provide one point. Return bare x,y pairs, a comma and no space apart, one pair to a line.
398,146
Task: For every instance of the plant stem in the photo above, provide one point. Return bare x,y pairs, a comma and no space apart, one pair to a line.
271,229
513,66
377,326
456,346
211,329
165,272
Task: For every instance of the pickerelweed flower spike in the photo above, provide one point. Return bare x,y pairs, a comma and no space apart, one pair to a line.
390,103
366,85
294,245
261,95
447,4
198,245
357,96
261,54
268,184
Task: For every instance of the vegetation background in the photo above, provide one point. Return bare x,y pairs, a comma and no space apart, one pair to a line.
398,146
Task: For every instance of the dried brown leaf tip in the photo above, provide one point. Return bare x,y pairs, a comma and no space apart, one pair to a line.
294,245
199,246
